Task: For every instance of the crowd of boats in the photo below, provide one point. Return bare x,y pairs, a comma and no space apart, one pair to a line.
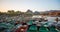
34,24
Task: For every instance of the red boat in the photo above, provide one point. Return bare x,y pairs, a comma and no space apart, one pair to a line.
22,28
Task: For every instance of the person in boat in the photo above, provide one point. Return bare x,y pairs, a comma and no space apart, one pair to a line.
17,22
22,28
58,24
29,23
56,19
53,23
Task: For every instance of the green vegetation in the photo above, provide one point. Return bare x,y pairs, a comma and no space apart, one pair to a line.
16,13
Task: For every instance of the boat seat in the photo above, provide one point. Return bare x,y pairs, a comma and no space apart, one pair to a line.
43,29
32,28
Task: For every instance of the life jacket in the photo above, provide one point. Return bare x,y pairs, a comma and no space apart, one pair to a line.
22,29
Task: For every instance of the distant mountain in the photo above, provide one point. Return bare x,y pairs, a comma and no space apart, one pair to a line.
54,11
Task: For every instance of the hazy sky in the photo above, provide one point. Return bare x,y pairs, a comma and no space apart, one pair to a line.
34,5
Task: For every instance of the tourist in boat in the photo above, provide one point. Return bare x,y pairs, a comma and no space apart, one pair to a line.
56,19
58,24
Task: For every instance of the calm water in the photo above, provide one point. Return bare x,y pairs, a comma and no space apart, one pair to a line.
52,18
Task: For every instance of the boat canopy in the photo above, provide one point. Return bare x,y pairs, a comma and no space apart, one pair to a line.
37,16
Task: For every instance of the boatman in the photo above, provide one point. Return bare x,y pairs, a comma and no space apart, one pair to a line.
56,19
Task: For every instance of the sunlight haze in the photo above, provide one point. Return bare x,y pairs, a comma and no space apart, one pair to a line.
24,5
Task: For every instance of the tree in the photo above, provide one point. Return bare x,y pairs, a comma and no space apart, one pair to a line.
10,11
29,11
18,12
36,13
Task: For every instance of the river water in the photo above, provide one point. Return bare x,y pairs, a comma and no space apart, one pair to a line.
52,18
